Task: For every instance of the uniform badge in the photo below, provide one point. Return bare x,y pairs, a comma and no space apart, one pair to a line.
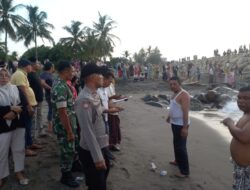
85,105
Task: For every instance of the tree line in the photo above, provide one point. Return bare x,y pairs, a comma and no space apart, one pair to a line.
84,43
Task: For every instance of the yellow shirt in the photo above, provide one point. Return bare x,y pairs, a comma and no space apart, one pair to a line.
19,78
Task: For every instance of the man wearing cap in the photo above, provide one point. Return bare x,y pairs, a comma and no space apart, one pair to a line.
19,78
93,151
64,121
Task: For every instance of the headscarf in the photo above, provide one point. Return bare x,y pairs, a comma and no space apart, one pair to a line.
9,95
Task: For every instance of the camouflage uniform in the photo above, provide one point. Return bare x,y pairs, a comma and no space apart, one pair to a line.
61,96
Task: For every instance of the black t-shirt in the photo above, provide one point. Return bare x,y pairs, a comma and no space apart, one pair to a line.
49,81
36,85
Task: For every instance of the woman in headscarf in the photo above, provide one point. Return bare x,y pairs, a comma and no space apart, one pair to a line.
12,128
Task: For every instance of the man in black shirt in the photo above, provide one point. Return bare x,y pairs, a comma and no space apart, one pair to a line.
35,84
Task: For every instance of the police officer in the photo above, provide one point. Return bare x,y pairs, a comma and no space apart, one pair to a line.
94,140
64,121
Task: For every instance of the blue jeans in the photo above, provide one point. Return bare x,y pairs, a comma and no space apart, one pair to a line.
180,149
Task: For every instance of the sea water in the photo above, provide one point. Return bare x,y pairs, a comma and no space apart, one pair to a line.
215,117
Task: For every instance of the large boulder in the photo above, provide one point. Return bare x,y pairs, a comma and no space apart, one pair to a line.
149,97
226,90
196,105
211,96
156,104
163,97
201,97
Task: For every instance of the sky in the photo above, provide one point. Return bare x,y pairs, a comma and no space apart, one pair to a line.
179,28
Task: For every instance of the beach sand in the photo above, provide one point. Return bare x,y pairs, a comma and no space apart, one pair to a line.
146,138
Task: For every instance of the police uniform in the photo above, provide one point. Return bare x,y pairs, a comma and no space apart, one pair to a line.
61,97
94,138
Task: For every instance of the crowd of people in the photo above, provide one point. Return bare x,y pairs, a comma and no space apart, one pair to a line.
190,72
84,116
86,123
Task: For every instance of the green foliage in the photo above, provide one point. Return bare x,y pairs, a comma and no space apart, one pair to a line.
9,21
59,52
74,42
54,54
43,52
35,27
149,56
154,57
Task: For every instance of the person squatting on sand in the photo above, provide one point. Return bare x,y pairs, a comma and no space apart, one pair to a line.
240,144
13,113
64,121
179,119
94,142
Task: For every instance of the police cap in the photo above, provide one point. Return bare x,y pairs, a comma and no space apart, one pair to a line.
90,69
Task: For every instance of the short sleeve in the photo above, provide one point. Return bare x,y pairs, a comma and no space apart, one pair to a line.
60,96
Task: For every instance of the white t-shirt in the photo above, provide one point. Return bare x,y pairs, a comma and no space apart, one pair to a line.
111,92
105,100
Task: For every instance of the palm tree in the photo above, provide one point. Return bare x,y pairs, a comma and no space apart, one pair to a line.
105,38
90,46
2,46
36,27
75,41
9,20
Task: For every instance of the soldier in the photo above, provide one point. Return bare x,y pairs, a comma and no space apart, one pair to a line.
64,121
94,142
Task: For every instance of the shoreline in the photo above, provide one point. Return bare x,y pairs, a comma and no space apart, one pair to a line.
214,123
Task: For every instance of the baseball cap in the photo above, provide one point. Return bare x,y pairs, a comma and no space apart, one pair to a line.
23,63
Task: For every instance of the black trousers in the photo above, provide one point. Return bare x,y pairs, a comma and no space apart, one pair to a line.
180,149
95,179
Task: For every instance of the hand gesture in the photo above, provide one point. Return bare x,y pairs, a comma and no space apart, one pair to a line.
30,110
168,119
184,132
17,109
101,165
228,122
9,116
70,136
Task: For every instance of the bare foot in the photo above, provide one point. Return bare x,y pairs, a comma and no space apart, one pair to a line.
173,163
180,175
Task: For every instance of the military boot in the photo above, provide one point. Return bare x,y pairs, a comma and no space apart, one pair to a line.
69,180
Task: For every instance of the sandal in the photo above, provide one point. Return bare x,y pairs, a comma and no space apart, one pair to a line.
22,179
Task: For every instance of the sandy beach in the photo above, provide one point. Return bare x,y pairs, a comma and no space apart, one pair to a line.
146,138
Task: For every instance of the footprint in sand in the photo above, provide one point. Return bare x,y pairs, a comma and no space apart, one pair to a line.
126,173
